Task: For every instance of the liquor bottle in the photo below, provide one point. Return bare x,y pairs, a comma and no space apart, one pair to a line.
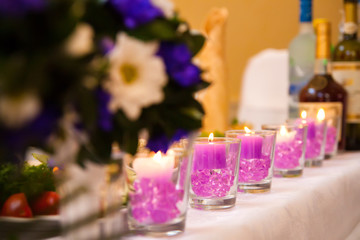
346,71
301,56
358,13
323,91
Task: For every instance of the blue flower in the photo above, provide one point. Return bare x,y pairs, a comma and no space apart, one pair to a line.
177,58
136,12
105,117
19,8
36,133
161,142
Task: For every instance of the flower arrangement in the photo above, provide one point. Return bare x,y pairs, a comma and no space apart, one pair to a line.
77,76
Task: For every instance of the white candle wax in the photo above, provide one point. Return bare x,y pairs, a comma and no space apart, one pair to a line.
159,167
285,136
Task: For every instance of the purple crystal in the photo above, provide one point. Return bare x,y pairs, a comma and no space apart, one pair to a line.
212,182
255,169
313,145
330,139
215,182
288,154
155,201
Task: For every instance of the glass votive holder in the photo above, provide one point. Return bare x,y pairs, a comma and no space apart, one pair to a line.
333,136
256,159
214,174
315,139
289,149
158,190
332,113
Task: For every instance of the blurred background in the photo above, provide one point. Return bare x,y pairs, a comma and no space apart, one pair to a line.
254,26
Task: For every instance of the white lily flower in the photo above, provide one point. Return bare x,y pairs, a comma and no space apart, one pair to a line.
137,76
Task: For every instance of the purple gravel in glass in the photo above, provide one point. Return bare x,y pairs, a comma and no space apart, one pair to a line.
288,154
313,146
255,169
330,139
212,182
155,201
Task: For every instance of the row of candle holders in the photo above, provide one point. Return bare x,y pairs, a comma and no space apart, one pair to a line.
211,171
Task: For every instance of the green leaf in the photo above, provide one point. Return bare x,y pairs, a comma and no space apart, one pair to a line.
128,132
101,145
195,42
160,29
130,143
43,158
202,85
35,180
8,181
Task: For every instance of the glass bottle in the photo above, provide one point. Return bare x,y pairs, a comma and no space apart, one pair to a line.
301,56
346,71
322,90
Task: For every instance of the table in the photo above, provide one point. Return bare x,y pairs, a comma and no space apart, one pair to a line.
322,204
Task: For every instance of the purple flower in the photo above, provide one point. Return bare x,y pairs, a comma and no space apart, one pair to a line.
19,8
106,45
161,142
15,141
136,12
158,143
177,58
105,117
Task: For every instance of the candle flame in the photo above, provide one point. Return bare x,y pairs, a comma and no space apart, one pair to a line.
247,130
303,114
157,157
211,137
321,114
283,131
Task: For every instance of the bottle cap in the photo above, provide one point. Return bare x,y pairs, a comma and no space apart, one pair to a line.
319,20
305,10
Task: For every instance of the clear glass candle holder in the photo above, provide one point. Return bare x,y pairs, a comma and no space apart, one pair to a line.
256,159
289,149
333,136
331,113
214,174
315,140
158,190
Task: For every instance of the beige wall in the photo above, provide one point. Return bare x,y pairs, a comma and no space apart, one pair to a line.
254,25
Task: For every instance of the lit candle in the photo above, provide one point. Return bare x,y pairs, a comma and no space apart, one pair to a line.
310,123
251,145
210,155
284,136
158,166
320,115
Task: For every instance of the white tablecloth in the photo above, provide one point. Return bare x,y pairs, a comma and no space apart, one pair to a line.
322,204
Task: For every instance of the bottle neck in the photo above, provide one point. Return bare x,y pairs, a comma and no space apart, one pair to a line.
306,27
350,24
323,42
322,66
